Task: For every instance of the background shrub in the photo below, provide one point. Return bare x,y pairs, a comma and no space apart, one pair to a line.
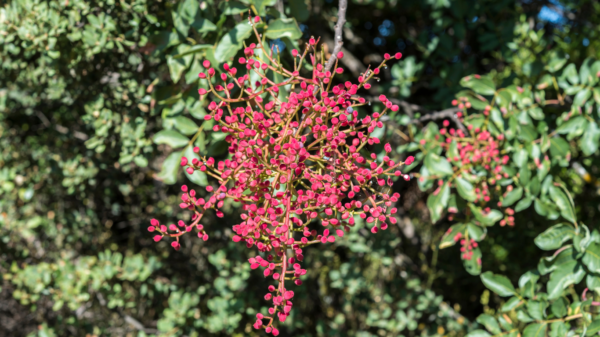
86,87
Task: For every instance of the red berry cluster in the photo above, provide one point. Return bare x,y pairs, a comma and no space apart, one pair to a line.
509,219
295,164
467,245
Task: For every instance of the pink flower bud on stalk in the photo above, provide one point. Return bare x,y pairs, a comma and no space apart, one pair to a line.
272,152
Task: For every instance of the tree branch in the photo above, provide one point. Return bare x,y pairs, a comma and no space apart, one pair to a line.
339,29
447,113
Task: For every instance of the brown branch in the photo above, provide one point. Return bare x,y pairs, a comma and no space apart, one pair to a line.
354,65
409,108
339,29
447,113
338,46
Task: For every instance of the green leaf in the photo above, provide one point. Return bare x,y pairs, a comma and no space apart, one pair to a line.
551,263
527,283
535,330
478,333
593,282
559,148
202,25
476,233
524,175
507,324
496,117
512,196
465,189
140,161
536,113
591,258
438,202
232,42
482,85
523,316
535,186
453,153
490,323
170,137
178,65
498,284
511,304
170,166
558,329
593,328
299,9
543,170
557,61
186,12
537,309
437,165
473,263
589,141
191,75
192,50
489,219
563,203
176,68
585,72
524,204
448,238
426,182
233,8
553,237
283,28
565,275
185,125
520,157
570,73
583,238
582,96
559,307
573,126
261,4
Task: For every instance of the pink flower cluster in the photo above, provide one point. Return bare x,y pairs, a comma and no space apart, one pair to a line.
296,164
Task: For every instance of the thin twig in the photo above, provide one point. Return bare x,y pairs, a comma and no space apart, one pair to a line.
339,29
410,109
65,130
338,37
447,113
351,62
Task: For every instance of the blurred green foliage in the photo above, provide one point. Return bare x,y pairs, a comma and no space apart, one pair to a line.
98,102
